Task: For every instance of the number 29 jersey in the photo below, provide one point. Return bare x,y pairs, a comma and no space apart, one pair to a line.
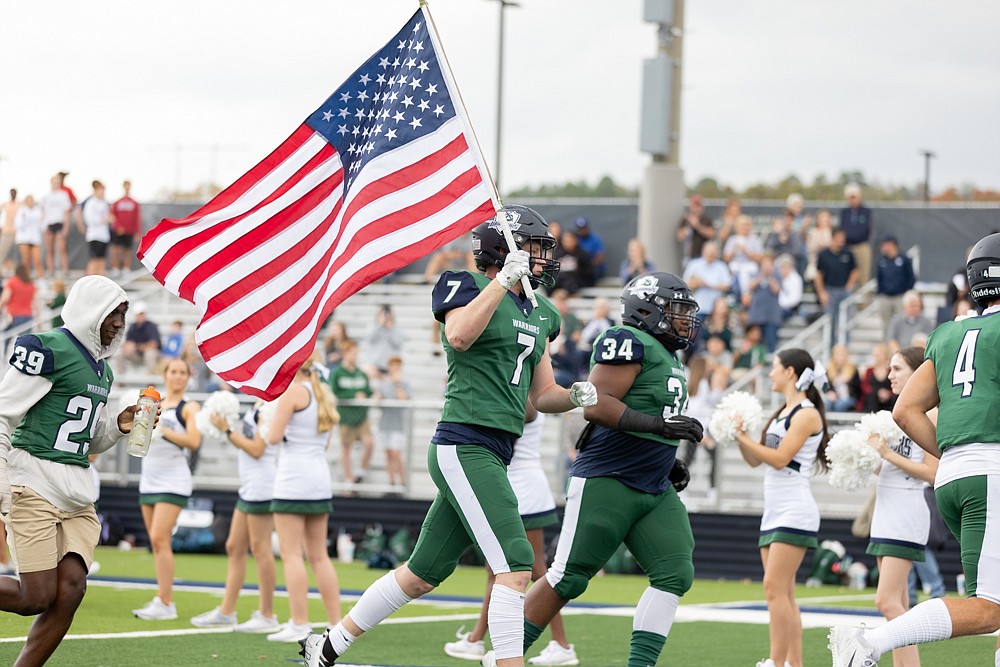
58,427
966,356
639,460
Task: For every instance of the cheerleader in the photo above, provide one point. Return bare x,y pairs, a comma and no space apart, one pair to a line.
793,442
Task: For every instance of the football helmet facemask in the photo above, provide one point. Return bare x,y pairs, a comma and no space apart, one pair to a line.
662,305
531,233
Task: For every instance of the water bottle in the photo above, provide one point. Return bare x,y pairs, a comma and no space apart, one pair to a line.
142,422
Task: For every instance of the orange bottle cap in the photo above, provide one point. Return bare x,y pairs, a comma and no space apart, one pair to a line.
151,392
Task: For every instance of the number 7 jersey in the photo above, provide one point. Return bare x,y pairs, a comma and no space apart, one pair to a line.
966,356
59,426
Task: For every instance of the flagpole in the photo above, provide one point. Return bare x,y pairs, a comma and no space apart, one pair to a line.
470,131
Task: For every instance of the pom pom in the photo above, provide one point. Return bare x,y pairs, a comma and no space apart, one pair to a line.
265,415
852,460
882,425
223,403
733,408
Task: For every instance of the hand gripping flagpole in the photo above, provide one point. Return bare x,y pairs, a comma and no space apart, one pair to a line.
474,144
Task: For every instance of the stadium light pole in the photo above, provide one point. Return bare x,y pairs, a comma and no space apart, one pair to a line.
499,133
928,156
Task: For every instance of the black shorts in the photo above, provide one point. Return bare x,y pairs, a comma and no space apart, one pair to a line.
98,249
123,240
55,227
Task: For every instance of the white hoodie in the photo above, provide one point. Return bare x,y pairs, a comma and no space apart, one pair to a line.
68,487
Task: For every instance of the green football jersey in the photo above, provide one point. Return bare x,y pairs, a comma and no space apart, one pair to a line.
488,383
346,384
59,426
660,388
967,366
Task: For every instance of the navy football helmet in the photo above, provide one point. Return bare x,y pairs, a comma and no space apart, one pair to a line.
662,304
531,233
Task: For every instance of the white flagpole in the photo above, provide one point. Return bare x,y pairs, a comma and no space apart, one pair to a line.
477,150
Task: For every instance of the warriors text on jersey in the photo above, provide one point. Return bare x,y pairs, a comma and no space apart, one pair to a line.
59,426
488,383
639,460
967,366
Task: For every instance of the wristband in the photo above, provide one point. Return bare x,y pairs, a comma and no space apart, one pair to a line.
229,432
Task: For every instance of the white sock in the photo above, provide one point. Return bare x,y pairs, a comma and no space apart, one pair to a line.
378,602
506,620
339,638
655,612
927,622
996,658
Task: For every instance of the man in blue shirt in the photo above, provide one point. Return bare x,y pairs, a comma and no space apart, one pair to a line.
593,245
895,276
856,221
836,276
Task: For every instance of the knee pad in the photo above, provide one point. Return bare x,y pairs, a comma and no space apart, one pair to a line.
571,585
673,576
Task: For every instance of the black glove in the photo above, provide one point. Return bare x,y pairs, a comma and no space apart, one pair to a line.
682,427
679,475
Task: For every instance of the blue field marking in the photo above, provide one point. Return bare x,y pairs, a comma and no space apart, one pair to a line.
813,610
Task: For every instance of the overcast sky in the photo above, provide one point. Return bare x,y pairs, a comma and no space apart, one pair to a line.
109,88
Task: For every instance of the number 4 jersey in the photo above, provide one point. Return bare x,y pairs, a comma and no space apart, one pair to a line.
59,427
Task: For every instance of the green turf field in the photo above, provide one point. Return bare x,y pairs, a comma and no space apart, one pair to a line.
704,635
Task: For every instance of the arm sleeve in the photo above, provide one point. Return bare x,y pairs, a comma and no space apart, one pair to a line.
18,392
106,432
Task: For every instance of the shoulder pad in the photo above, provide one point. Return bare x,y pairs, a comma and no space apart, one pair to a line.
454,289
618,346
31,357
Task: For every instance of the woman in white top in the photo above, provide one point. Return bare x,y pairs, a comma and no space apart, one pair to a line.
901,520
304,417
793,441
28,235
165,484
251,528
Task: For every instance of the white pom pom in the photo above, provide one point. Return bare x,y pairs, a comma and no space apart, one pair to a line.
733,408
852,460
265,415
882,425
223,403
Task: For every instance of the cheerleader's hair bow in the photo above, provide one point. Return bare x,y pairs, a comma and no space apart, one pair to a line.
812,377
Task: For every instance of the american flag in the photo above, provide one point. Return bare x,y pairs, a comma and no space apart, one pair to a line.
380,175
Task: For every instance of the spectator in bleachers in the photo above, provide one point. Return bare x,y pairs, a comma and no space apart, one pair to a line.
383,341
94,223
795,207
727,221
563,350
127,225
350,382
856,221
57,301
704,391
333,343
817,238
785,239
894,276
761,301
392,423
751,352
174,343
708,277
876,390
719,359
962,308
8,210
556,230
695,230
28,236
142,340
575,271
836,276
599,320
743,252
717,323
18,299
456,254
909,323
635,262
845,383
56,207
593,245
790,296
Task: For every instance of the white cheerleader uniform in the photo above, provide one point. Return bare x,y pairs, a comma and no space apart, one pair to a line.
790,512
901,520
256,475
534,499
166,475
303,484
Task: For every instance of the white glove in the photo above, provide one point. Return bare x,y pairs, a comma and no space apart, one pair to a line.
516,266
5,494
583,394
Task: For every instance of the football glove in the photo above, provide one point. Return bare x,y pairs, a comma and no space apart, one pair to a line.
583,394
682,427
515,266
679,475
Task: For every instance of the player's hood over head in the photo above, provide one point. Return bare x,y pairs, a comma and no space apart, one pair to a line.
89,302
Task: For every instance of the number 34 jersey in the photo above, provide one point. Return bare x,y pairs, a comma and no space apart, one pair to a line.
639,460
59,427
